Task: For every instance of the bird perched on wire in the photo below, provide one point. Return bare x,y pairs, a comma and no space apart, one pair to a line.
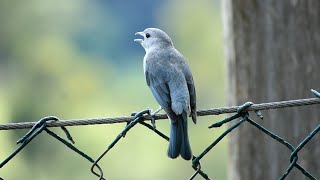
170,80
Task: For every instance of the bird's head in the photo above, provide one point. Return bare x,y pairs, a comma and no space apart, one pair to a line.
154,38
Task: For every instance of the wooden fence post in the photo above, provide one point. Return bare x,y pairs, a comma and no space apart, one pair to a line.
273,53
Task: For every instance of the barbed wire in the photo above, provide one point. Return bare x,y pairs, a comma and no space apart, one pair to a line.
204,112
242,112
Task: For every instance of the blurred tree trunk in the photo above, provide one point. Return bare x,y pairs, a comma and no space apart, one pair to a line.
273,54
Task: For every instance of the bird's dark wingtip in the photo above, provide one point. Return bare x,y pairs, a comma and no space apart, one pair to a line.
194,118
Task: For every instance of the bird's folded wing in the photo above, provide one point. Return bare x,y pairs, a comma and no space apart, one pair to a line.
160,90
192,93
193,105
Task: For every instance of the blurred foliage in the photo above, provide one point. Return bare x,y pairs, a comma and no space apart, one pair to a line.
77,59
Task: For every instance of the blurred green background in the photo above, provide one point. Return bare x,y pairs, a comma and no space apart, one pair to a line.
77,59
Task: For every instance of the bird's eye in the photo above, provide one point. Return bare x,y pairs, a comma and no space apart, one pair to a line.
147,35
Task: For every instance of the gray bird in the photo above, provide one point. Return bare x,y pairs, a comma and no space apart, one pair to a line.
170,80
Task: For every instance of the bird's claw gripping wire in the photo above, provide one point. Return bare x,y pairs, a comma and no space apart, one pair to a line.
153,119
136,115
153,116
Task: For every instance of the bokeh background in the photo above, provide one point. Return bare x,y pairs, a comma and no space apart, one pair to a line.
77,59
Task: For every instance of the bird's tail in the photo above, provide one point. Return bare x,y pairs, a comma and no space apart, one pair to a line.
179,140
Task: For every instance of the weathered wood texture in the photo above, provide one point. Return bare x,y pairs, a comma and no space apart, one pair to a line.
273,53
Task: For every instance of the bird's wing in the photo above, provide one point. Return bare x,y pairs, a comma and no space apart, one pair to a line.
159,88
193,104
191,88
158,80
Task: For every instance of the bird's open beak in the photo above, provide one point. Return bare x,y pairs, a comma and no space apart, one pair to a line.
139,40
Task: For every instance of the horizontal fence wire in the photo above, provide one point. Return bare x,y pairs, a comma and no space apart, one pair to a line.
205,112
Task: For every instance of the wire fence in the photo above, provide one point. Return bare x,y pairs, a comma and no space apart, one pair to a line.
241,113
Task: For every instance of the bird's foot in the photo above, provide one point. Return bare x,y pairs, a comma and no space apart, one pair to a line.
153,114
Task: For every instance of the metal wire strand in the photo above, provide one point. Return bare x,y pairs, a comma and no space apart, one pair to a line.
204,112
